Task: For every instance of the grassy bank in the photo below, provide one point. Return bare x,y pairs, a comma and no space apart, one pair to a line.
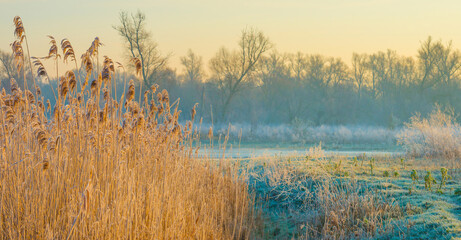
349,197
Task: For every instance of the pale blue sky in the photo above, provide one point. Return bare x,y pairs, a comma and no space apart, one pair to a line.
329,27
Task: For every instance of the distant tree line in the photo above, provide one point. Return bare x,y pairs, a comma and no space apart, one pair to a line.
255,83
383,88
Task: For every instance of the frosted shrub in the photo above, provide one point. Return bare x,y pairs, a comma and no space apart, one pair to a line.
437,136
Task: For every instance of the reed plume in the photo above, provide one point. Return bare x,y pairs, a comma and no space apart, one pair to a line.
154,88
53,52
63,87
14,87
88,64
131,91
108,68
19,28
193,112
20,34
70,76
137,65
67,50
41,71
94,48
138,69
18,54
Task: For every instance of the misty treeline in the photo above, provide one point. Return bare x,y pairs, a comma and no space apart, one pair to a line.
255,84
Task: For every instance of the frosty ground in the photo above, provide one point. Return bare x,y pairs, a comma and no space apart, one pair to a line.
371,196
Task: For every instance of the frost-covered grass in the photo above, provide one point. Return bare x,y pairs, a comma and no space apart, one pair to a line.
321,197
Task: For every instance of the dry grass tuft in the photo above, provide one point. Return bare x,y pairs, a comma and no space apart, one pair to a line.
304,200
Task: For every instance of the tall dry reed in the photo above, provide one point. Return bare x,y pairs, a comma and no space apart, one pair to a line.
97,167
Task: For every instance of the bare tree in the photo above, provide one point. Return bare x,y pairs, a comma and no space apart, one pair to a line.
427,57
298,65
141,45
233,70
8,68
359,70
449,62
316,70
193,67
337,72
7,64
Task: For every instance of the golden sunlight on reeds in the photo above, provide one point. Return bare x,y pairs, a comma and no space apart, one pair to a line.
95,166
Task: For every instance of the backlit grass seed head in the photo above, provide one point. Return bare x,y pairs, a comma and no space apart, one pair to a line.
63,87
9,116
108,67
18,27
131,91
14,86
48,105
165,96
159,97
94,48
87,62
18,54
193,112
160,109
137,65
79,98
41,106
210,133
153,108
105,75
53,52
41,137
102,116
46,164
70,76
30,97
176,130
154,88
109,63
67,50
105,93
94,87
41,71
146,94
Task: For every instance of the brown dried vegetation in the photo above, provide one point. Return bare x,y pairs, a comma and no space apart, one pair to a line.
91,169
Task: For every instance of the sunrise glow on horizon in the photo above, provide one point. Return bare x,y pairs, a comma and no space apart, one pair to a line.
331,28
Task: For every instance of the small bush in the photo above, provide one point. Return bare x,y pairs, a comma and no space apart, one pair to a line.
444,179
437,136
428,181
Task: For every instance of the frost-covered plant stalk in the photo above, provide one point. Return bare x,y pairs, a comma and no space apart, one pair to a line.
444,179
428,181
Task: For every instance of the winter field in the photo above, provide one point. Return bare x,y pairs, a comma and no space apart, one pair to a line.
347,188
96,154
